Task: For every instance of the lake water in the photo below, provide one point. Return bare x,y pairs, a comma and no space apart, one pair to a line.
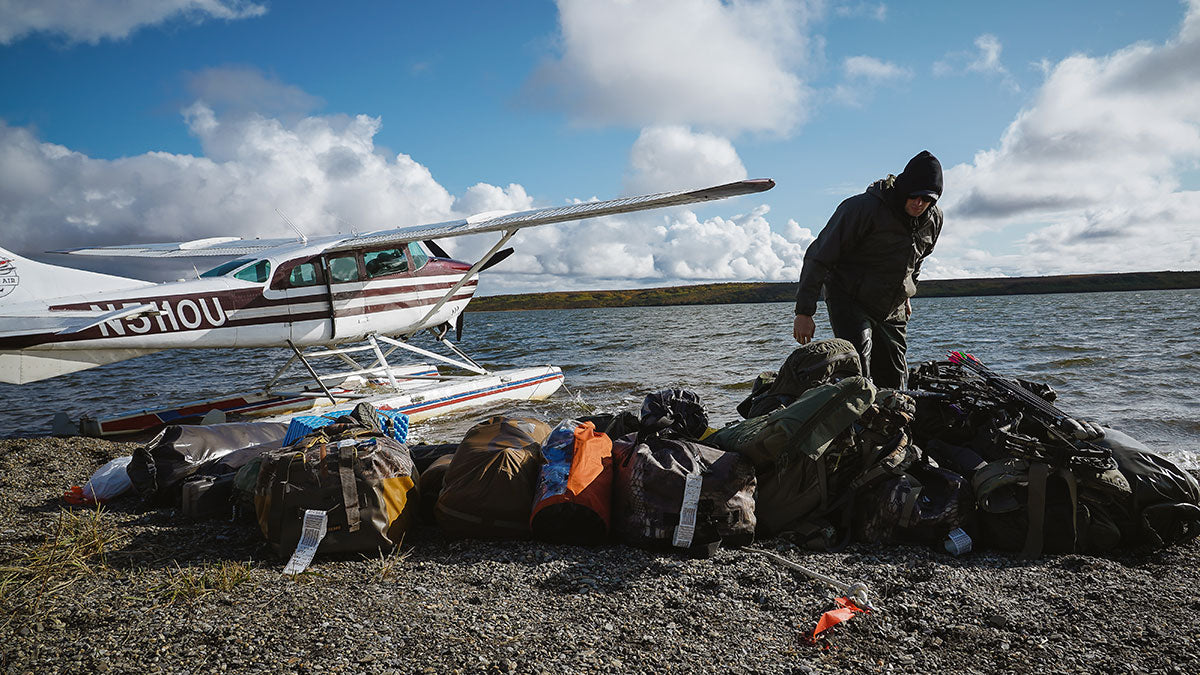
1130,360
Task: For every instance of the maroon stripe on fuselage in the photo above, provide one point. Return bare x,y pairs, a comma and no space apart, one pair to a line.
207,311
372,292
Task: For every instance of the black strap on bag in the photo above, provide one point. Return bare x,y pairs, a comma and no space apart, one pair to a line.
346,456
1036,508
1035,536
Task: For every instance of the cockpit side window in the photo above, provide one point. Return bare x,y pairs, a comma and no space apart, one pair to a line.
256,273
387,261
343,268
419,257
304,274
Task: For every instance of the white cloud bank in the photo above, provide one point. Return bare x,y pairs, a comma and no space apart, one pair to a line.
724,67
91,21
675,158
1094,167
326,174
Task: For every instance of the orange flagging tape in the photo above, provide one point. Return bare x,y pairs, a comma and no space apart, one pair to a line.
833,617
76,496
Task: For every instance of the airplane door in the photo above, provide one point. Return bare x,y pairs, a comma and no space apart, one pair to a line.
302,285
347,300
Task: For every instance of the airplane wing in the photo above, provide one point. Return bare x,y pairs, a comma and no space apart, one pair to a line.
487,222
229,247
491,222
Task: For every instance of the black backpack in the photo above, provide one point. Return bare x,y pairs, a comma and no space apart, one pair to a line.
1038,491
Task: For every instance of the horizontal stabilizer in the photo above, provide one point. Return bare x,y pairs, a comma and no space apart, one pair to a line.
31,365
65,322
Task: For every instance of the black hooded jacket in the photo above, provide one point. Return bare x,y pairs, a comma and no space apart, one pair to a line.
871,250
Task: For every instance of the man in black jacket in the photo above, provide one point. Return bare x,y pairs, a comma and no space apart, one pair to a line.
868,258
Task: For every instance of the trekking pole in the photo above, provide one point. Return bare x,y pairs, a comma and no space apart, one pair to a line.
856,592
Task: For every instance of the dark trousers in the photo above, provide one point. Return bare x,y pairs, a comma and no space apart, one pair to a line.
881,345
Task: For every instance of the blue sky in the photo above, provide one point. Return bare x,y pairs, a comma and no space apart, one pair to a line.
1070,131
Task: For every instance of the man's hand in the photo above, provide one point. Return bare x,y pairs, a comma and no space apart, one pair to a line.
803,328
907,308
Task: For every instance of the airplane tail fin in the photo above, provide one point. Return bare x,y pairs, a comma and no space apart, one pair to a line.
25,281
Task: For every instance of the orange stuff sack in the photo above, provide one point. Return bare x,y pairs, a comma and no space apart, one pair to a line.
574,493
487,492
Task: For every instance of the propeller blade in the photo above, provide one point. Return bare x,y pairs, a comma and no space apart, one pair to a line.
435,249
497,258
458,326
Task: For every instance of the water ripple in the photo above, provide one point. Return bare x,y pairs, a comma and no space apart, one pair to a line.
1128,359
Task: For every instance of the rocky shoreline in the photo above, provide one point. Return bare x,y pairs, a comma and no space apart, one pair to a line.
173,595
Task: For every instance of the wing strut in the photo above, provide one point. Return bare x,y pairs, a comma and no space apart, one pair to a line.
508,234
312,372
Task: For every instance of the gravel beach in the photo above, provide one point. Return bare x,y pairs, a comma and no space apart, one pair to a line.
174,595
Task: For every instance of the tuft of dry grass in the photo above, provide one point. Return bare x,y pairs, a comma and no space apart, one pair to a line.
389,565
77,547
187,585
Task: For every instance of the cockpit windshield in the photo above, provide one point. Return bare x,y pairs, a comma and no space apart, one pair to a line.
225,268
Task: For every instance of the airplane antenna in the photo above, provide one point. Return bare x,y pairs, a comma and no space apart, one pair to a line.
303,237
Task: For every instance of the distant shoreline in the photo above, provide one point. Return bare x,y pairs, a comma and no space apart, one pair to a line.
747,292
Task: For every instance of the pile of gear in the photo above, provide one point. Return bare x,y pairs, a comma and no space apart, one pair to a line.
963,458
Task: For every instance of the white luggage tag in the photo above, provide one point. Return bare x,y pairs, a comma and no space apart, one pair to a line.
315,523
687,513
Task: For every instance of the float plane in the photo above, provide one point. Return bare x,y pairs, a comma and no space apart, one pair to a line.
384,287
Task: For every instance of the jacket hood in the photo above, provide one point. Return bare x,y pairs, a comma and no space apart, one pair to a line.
922,176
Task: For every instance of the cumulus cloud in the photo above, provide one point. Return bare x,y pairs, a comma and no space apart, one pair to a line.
1093,167
91,21
676,158
985,59
865,74
241,90
870,10
52,197
726,67
654,249
871,68
326,175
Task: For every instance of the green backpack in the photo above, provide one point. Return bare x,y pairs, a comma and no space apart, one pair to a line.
803,429
816,363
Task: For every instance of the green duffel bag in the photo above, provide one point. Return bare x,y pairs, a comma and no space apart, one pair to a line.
803,429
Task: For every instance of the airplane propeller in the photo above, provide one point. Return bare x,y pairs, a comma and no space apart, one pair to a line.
440,252
497,258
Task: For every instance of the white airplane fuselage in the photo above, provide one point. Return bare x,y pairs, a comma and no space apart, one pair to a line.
321,292
310,298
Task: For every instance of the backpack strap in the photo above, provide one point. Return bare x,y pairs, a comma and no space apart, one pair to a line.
1073,490
910,502
823,483
1035,535
346,456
